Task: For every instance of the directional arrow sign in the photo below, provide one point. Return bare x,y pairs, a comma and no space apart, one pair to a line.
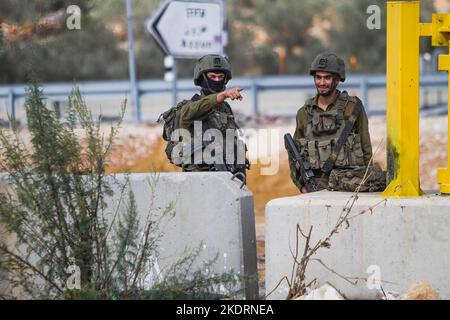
188,29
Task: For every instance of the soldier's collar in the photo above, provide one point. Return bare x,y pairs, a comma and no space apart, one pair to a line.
315,102
203,94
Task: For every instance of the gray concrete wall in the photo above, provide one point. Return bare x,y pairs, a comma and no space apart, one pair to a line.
209,208
408,239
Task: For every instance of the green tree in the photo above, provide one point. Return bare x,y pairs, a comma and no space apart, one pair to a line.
91,53
259,30
351,37
303,29
283,25
149,57
55,208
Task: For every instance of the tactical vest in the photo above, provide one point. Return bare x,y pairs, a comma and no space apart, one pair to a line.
324,129
224,121
221,120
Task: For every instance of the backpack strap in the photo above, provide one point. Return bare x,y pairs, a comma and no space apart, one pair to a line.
309,113
329,164
195,97
164,115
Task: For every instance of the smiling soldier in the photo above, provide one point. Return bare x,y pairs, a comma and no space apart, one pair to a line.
332,134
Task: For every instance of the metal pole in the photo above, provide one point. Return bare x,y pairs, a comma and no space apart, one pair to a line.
225,13
12,107
402,99
225,24
174,83
255,97
443,175
132,64
365,94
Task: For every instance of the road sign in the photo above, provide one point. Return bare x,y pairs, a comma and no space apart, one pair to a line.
188,29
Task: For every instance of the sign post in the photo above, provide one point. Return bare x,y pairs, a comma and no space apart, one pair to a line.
170,66
132,65
188,30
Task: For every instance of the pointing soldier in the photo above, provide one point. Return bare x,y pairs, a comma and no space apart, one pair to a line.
209,110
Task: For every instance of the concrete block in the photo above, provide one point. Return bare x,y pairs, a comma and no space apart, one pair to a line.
404,240
210,209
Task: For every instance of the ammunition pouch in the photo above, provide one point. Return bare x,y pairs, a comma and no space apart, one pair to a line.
349,179
326,123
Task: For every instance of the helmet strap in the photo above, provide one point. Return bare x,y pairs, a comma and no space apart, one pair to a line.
225,79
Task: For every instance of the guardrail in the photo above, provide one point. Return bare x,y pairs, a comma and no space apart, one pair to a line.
363,83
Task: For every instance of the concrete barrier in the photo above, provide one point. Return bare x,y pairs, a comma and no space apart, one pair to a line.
209,208
403,241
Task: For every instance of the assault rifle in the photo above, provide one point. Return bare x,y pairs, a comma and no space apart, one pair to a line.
303,167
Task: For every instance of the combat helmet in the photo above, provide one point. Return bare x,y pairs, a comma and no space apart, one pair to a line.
328,62
214,63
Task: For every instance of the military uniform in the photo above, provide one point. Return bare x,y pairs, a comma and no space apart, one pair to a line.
317,131
213,116
204,110
335,141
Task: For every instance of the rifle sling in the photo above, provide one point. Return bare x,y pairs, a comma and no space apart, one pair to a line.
329,164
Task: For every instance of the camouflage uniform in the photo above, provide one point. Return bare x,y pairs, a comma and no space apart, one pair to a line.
212,115
359,147
318,131
204,107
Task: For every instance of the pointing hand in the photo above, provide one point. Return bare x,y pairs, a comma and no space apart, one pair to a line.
233,94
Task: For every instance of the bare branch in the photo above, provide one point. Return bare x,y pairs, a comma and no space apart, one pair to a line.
348,279
276,287
24,262
298,286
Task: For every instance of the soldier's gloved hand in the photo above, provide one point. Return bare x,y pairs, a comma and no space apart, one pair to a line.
233,94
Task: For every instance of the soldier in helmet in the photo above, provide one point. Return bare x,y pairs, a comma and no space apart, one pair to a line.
208,111
332,128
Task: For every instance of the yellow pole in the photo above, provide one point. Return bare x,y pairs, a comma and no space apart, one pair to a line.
402,97
444,173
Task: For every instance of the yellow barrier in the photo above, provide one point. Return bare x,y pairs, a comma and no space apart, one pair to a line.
402,94
402,97
444,173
